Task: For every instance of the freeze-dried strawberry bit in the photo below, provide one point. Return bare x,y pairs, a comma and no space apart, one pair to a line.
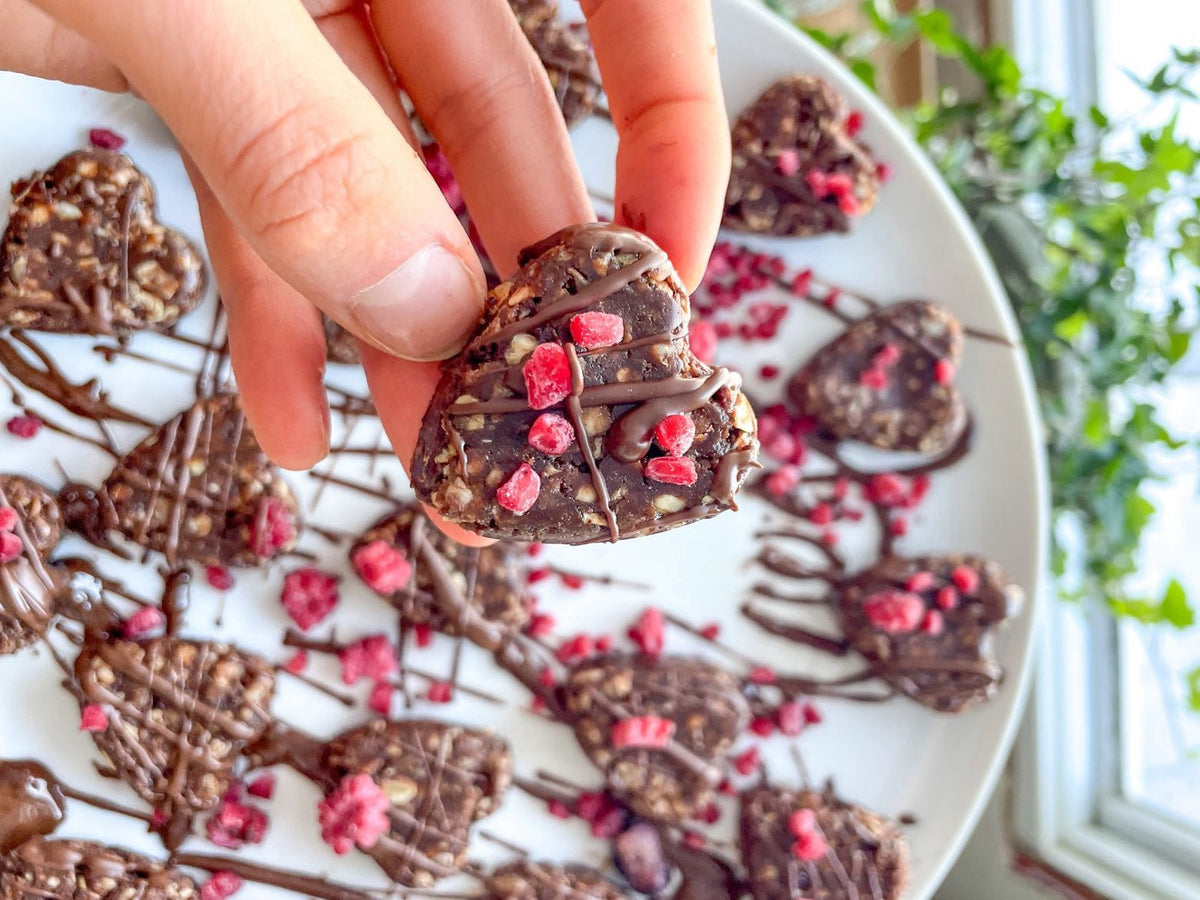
10,547
440,692
423,634
540,625
965,579
854,123
547,376
709,815
551,434
933,623
829,537
893,611
380,699
841,487
762,675
884,172
802,822
810,846
886,356
790,717
579,647
849,204
675,433
263,786
747,763
832,296
546,676
221,886
384,568
354,813
812,715
946,598
762,726
711,631
272,529
788,162
604,643
888,490
536,575
702,338
234,824
782,446
534,549
297,663
920,581
144,621
373,657
943,371
558,809
898,527
597,329
671,470
8,518
648,632
694,840
218,577
24,427
821,514
93,717
783,481
918,490
571,581
802,283
818,183
768,371
653,732
309,595
873,379
591,805
105,139
520,492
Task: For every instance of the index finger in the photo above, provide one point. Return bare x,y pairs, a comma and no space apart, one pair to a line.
658,59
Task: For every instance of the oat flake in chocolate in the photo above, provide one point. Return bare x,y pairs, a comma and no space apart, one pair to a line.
797,171
81,870
550,425
84,252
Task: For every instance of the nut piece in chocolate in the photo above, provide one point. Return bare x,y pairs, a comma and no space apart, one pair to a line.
439,780
578,413
81,870
657,728
888,381
526,880
797,169
812,844
29,588
84,252
566,54
179,713
925,625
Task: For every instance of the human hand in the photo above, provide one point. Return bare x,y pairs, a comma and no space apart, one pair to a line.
313,198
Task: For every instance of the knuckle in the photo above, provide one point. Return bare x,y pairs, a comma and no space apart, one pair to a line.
465,114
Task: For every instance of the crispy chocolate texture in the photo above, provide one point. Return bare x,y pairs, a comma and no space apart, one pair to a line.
339,344
526,880
85,254
948,670
867,857
81,870
199,489
440,779
488,581
179,714
29,588
476,433
706,704
566,53
902,405
31,802
798,123
37,510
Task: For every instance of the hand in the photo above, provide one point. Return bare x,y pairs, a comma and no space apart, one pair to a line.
313,198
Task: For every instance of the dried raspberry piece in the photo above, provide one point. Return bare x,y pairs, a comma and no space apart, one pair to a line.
218,578
105,139
965,579
93,717
533,549
802,283
888,489
272,528
849,204
943,371
762,726
372,657
854,123
551,433
818,183
886,356
920,581
801,822
540,625
423,634
10,547
235,824
536,575
671,470
702,338
382,567
747,763
762,675
790,717
579,647
874,379
439,692
768,371
263,786
898,526
675,433
933,623
783,481
220,886
597,329
812,715
142,622
571,581
24,427
694,840
810,846
546,676
297,663
309,595
884,172
894,611
355,812
642,731
8,518
520,492
711,631
380,699
821,514
788,162
604,643
558,809
647,633
547,376
946,598
709,815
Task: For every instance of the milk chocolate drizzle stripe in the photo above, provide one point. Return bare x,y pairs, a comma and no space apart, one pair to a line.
630,436
593,395
584,440
17,597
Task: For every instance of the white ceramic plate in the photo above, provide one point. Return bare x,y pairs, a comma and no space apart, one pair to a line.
895,757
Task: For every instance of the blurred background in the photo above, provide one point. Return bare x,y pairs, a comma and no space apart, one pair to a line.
1070,132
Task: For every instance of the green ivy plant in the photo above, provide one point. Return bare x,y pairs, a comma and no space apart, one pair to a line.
1070,207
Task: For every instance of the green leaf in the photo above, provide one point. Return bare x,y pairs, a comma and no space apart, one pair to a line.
1099,119
1193,686
1072,326
1138,512
1175,608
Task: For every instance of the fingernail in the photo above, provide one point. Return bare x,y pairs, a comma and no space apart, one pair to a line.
424,310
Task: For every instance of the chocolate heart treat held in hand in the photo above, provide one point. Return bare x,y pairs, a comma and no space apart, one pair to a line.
578,412
84,253
797,168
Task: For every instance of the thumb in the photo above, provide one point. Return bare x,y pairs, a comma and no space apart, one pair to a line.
303,160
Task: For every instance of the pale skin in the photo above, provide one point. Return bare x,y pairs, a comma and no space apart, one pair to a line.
312,197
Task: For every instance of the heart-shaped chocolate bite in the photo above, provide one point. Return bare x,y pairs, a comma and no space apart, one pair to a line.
888,381
199,489
178,714
29,588
84,252
482,584
82,870
797,169
566,54
578,412
813,844
925,626
527,880
658,728
439,780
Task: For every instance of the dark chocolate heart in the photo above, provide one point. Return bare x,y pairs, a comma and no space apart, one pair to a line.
85,254
439,779
596,322
179,714
925,626
29,588
566,54
199,489
527,880
865,856
786,149
487,581
81,870
705,706
888,381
